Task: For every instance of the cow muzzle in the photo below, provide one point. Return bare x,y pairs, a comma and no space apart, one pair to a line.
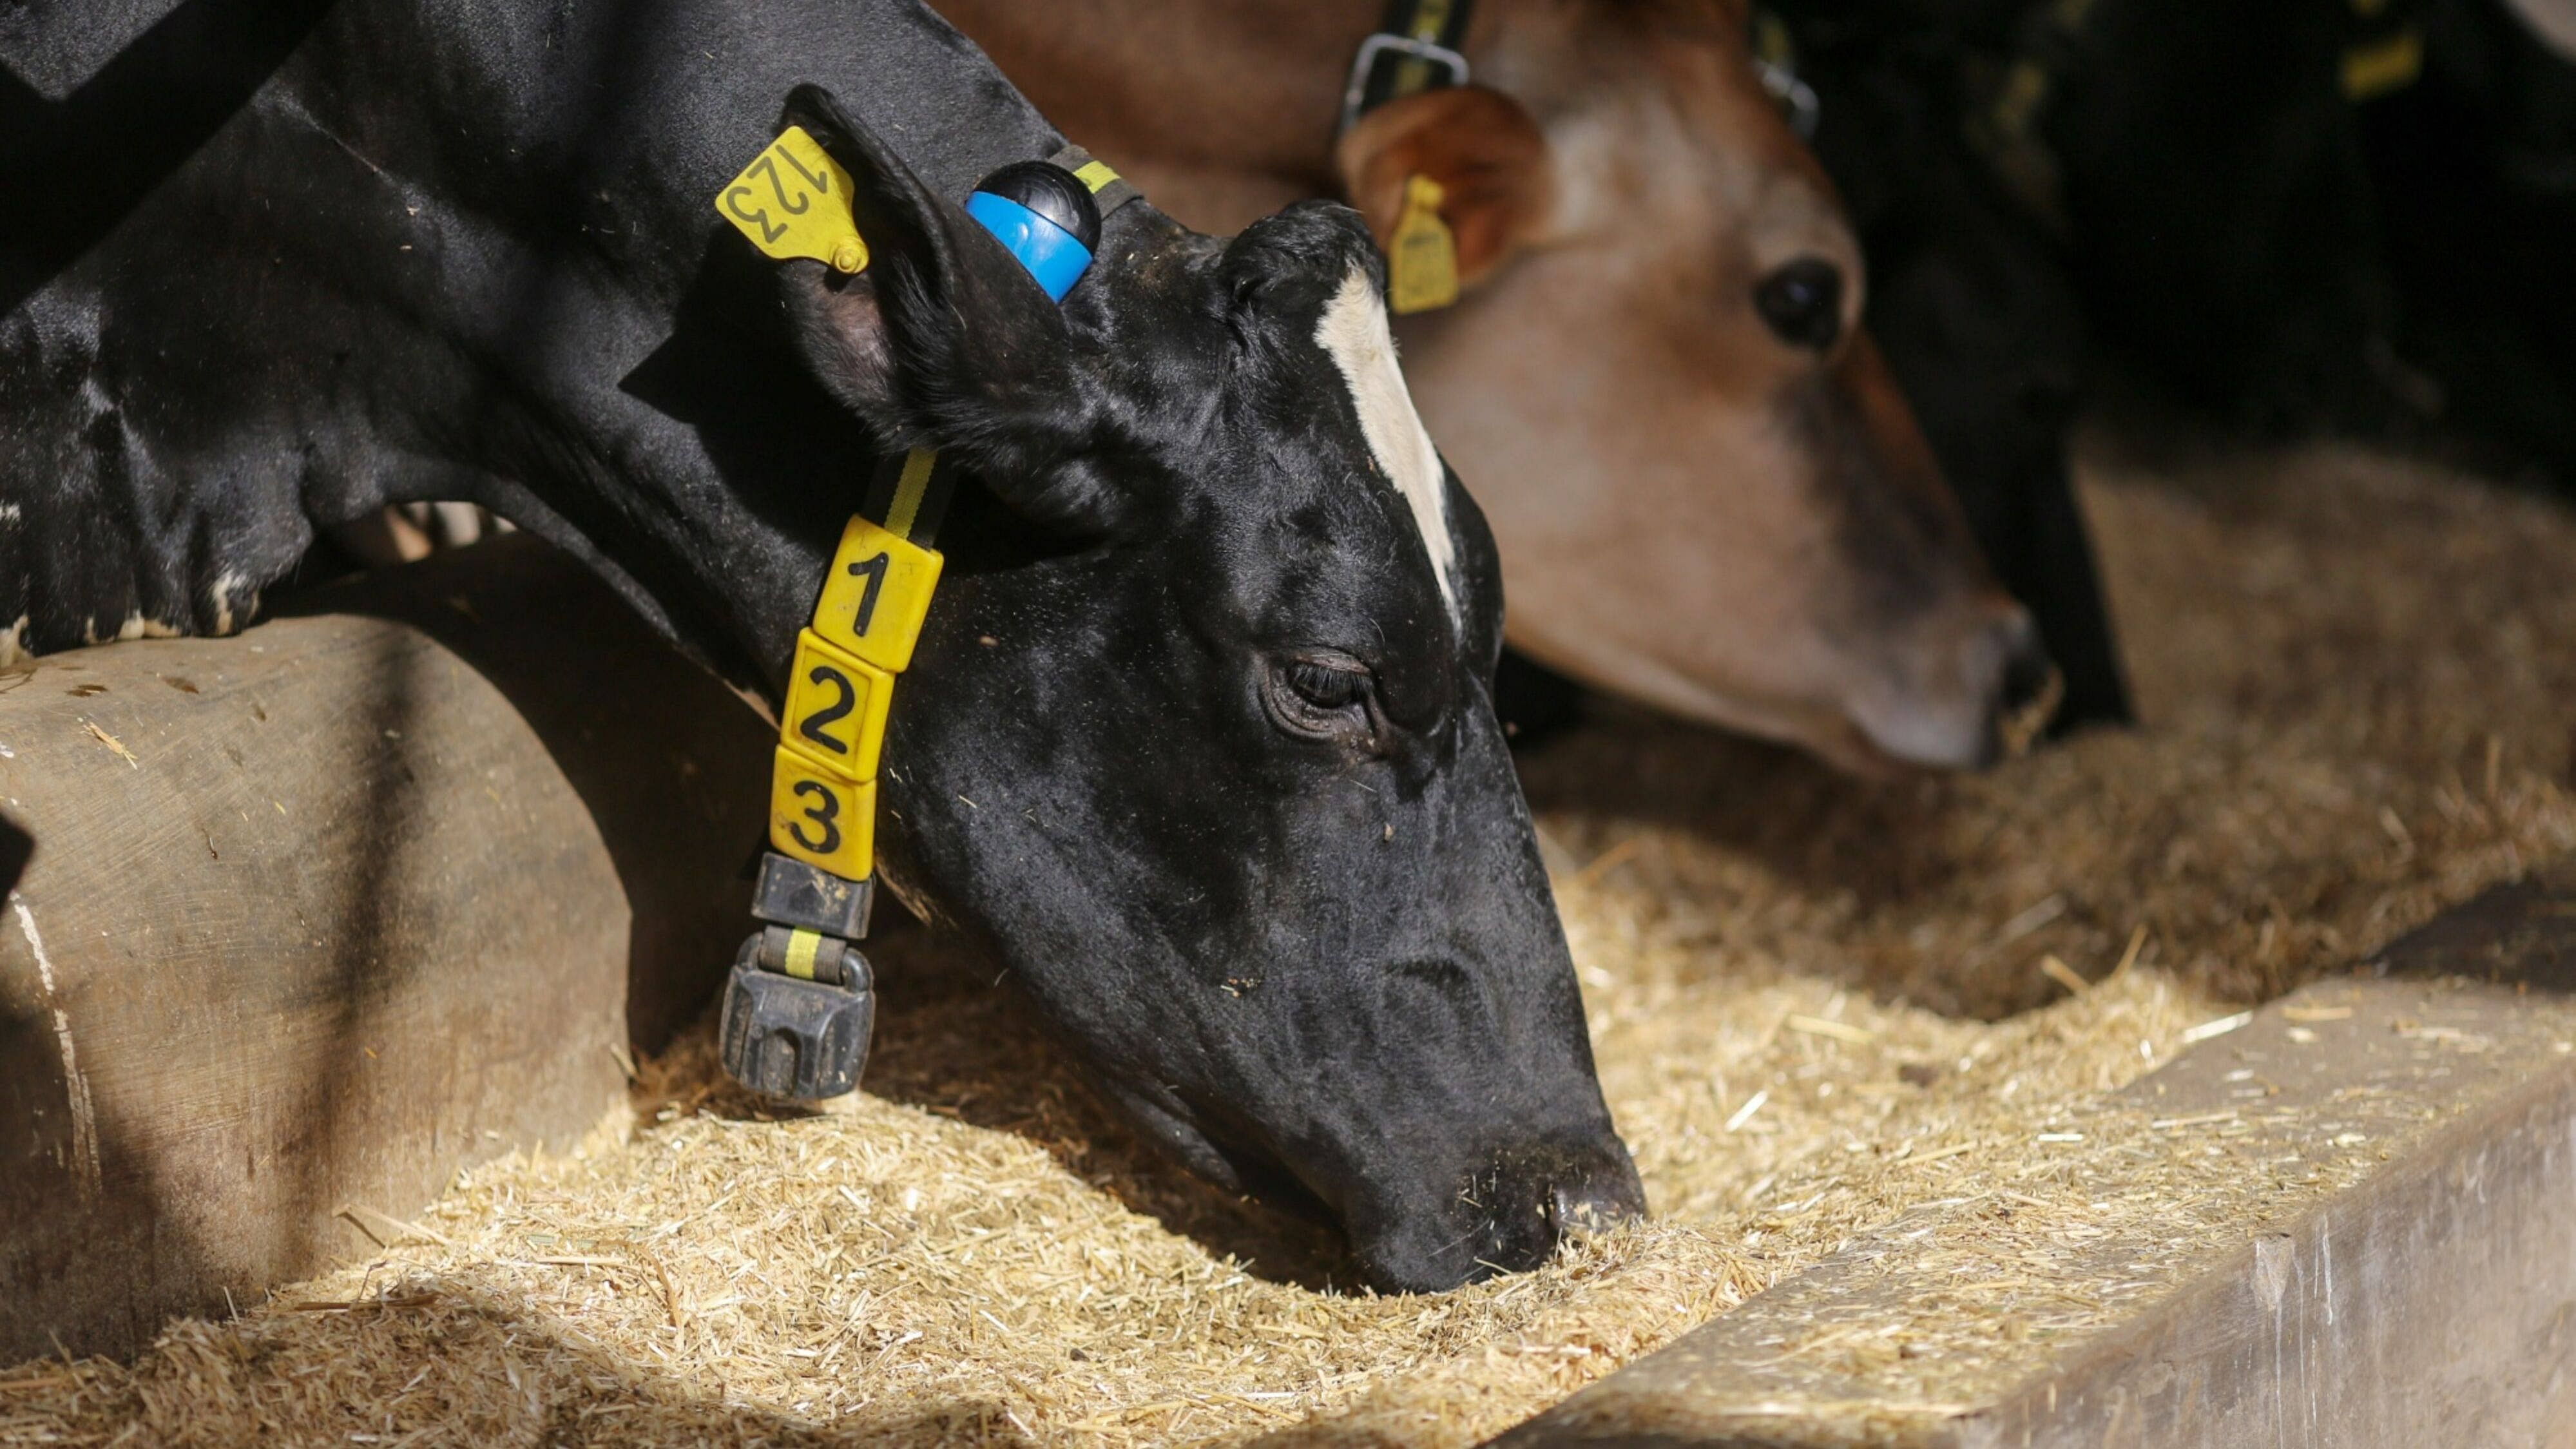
1508,1216
1984,698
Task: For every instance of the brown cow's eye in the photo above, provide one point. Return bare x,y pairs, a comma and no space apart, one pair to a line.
1320,695
1803,302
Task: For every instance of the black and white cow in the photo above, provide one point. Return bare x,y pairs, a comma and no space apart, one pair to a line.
1198,744
2308,215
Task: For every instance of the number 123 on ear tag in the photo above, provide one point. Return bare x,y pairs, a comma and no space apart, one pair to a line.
793,201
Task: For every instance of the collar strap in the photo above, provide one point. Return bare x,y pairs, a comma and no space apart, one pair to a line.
1109,190
798,1008
1775,61
1414,49
2383,52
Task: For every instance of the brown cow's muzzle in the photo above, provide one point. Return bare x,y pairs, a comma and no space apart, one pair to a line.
2030,692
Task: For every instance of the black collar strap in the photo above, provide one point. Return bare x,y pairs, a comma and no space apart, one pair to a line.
1414,49
1109,190
799,1008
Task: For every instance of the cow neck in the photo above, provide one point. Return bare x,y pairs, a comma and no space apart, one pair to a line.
799,1008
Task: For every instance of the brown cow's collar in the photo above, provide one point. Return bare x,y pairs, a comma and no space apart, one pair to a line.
1414,49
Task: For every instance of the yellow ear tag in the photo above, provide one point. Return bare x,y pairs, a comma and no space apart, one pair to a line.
793,201
1422,257
2384,66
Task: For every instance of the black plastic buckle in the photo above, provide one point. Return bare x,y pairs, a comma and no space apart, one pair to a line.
792,893
793,1038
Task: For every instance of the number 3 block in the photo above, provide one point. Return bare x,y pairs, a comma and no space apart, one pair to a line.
820,817
876,595
836,707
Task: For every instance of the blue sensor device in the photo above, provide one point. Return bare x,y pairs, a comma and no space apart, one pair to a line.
1049,251
1043,216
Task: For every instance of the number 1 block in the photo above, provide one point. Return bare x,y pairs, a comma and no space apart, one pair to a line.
876,595
821,818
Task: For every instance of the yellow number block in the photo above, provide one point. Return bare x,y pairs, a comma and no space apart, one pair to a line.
876,595
793,200
836,706
821,818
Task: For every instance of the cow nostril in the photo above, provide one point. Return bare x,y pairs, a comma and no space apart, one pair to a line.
2026,696
1595,1205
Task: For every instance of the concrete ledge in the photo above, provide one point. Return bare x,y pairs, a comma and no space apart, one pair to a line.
331,909
2349,1222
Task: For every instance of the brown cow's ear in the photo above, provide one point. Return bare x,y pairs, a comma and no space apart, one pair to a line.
1489,157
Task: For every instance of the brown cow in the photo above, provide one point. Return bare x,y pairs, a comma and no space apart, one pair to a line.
1708,492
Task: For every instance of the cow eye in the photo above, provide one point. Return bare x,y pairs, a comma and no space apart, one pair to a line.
1323,696
1803,302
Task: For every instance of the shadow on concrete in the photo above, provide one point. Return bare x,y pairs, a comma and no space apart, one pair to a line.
672,765
50,1151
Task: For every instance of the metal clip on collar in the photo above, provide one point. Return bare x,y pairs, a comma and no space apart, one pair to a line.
1431,53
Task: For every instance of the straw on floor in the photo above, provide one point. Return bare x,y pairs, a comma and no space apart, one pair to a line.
1816,1003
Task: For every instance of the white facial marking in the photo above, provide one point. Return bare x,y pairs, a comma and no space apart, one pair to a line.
1354,333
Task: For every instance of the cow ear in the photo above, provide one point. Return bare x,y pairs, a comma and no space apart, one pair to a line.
1490,159
944,340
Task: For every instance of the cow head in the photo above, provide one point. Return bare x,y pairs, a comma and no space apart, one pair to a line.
1198,742
1707,489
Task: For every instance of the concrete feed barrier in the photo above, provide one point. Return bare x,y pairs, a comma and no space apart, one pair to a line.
321,913
2350,1221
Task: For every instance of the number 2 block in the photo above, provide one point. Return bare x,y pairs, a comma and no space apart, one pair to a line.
876,595
836,707
821,818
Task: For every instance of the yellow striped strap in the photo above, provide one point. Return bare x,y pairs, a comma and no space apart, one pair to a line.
912,485
1109,190
801,946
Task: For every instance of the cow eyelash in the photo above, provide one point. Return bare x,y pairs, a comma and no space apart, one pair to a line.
1327,686
1322,698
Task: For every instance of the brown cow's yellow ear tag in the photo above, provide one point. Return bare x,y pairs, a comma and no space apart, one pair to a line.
793,200
2383,67
1422,257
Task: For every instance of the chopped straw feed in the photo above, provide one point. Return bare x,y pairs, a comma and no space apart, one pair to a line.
1817,1004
